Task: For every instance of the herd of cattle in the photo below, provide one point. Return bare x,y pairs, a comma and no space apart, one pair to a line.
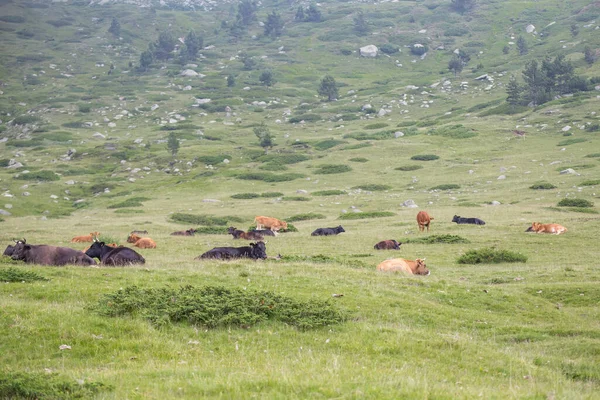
115,255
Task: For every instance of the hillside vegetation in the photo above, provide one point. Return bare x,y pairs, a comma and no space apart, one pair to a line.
164,116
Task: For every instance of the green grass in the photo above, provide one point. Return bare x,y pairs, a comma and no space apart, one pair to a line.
575,203
365,215
490,256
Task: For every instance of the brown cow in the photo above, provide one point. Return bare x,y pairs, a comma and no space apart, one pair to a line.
555,229
142,243
388,245
416,267
423,219
85,238
239,234
270,223
189,232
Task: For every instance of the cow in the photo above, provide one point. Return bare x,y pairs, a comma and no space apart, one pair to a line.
416,267
254,251
461,220
238,234
9,250
264,232
49,255
270,223
142,243
107,244
555,229
423,219
388,245
115,256
85,238
327,231
189,232
136,232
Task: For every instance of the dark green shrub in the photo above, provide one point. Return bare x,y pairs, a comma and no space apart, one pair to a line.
328,192
456,31
85,108
454,132
359,159
271,194
4,162
425,157
446,186
216,306
304,217
590,183
15,19
571,141
332,169
490,256
377,125
49,386
26,119
295,198
435,239
542,186
365,215
38,176
273,167
383,135
327,144
19,275
592,128
211,230
268,177
419,49
575,203
73,124
211,160
209,220
305,118
290,158
408,168
357,146
131,202
245,196
388,48
373,187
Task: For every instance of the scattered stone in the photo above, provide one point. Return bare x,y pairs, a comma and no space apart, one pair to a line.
530,28
98,135
369,51
566,128
4,212
495,203
410,204
70,182
210,201
569,171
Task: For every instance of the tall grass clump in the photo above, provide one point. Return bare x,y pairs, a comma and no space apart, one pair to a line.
304,217
542,186
424,157
331,192
490,256
19,275
575,203
365,215
51,386
216,306
327,169
44,176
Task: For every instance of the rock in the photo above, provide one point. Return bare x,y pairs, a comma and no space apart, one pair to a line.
14,164
369,51
495,203
226,161
410,204
188,72
53,196
398,134
566,128
154,107
70,182
26,194
203,101
4,212
210,201
301,191
501,177
530,28
366,107
569,171
98,135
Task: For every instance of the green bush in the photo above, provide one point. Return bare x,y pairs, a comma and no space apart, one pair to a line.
131,202
359,159
388,48
271,194
216,306
425,157
47,386
446,186
593,155
19,275
327,169
454,132
571,141
209,220
542,186
357,146
304,217
26,119
435,239
365,215
328,192
328,144
290,158
590,183
456,31
245,196
408,168
575,203
43,175
592,128
305,118
377,125
15,19
212,160
273,167
85,108
295,198
268,177
383,135
373,187
490,256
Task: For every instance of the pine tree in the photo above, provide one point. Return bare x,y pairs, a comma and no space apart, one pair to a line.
513,90
146,58
265,140
193,44
274,25
455,65
173,144
267,78
115,28
247,12
300,14
230,81
522,46
361,27
313,14
588,55
328,88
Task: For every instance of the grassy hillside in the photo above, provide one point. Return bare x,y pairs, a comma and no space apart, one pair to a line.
84,148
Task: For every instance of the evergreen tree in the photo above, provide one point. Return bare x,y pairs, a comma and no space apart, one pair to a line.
115,28
164,45
589,55
230,81
173,144
360,24
313,14
300,14
522,46
248,61
267,78
534,83
574,30
146,58
455,65
328,88
274,25
246,12
505,49
265,140
193,44
462,6
513,90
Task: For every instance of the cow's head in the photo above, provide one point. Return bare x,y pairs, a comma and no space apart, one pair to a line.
133,238
420,267
536,226
259,250
95,250
340,229
19,249
396,243
455,218
231,229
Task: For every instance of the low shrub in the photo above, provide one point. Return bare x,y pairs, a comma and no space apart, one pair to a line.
575,203
593,155
271,194
357,146
26,119
327,169
383,135
388,48
455,132
332,192
425,157
436,239
446,186
592,128
44,176
216,306
568,142
131,202
291,158
19,275
305,118
273,167
328,144
85,108
304,217
15,19
212,160
268,177
490,256
378,125
209,220
590,183
542,186
365,215
408,167
245,196
456,31
373,187
295,198
359,159
42,385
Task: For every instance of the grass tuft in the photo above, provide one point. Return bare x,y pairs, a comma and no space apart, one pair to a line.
425,157
37,385
365,215
435,239
575,203
542,186
18,275
490,256
304,217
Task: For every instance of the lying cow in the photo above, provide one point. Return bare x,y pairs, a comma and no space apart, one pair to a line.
9,250
416,267
555,229
239,234
142,243
137,232
387,245
254,251
189,232
328,231
264,232
115,256
49,255
85,238
461,220
423,219
270,223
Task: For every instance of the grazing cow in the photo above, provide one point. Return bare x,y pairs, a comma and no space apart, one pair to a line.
85,238
555,229
144,232
142,243
423,219
270,223
238,234
254,251
49,255
387,245
461,220
264,232
327,231
189,232
416,267
114,256
9,250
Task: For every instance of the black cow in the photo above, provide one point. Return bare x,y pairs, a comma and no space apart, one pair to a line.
239,234
461,220
49,255
328,231
264,232
189,232
9,250
254,251
115,256
388,245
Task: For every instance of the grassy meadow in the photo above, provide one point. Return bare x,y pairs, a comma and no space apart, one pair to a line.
319,322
